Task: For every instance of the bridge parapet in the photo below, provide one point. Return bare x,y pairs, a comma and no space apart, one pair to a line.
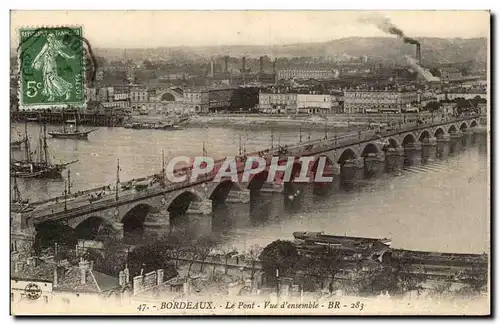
308,148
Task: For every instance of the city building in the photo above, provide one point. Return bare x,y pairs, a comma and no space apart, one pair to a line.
220,98
212,99
197,98
278,103
91,94
139,94
315,103
102,94
307,74
450,73
60,282
379,101
462,93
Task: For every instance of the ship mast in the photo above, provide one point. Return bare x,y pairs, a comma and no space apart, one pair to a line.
40,145
45,148
64,121
77,116
117,177
27,151
69,180
163,176
17,194
65,196
239,145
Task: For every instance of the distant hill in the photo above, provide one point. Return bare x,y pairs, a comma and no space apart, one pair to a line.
434,50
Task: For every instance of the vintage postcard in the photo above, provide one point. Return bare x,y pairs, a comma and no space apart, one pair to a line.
250,163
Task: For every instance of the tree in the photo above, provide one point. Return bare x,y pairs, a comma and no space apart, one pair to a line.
205,246
398,278
433,106
198,251
441,288
227,253
279,255
475,279
253,256
148,258
331,261
173,247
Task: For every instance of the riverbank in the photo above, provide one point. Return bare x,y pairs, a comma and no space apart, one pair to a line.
266,121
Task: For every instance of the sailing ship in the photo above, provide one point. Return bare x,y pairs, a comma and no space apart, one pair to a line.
73,133
43,168
16,144
17,203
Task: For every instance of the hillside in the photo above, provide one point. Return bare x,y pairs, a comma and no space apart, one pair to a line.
434,50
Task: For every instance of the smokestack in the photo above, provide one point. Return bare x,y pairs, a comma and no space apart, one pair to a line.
261,61
243,63
226,60
212,68
419,57
387,26
274,66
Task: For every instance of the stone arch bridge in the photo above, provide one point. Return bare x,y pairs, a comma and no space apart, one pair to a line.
348,157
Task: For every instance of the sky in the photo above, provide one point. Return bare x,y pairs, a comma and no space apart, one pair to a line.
140,29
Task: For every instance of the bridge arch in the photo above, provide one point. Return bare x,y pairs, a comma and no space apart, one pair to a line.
295,171
463,126
347,154
408,139
452,129
328,163
133,220
425,134
178,207
392,143
180,203
257,181
322,188
49,233
439,133
473,124
369,149
94,227
220,191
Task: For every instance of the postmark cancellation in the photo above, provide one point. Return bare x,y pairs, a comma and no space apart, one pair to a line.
51,68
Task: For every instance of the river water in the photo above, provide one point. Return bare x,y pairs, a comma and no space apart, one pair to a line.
442,205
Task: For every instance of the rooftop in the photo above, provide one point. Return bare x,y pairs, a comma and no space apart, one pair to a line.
68,277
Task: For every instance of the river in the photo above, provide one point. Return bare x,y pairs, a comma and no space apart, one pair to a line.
439,206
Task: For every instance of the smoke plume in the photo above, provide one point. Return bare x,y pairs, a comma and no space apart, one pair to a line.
385,25
422,71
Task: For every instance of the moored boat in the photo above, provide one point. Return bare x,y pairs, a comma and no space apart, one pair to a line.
73,133
42,168
321,238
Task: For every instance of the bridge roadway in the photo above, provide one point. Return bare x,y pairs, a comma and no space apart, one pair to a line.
56,209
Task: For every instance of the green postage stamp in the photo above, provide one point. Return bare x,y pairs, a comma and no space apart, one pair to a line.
51,68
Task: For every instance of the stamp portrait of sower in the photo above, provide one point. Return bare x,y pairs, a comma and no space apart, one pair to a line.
53,84
52,68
